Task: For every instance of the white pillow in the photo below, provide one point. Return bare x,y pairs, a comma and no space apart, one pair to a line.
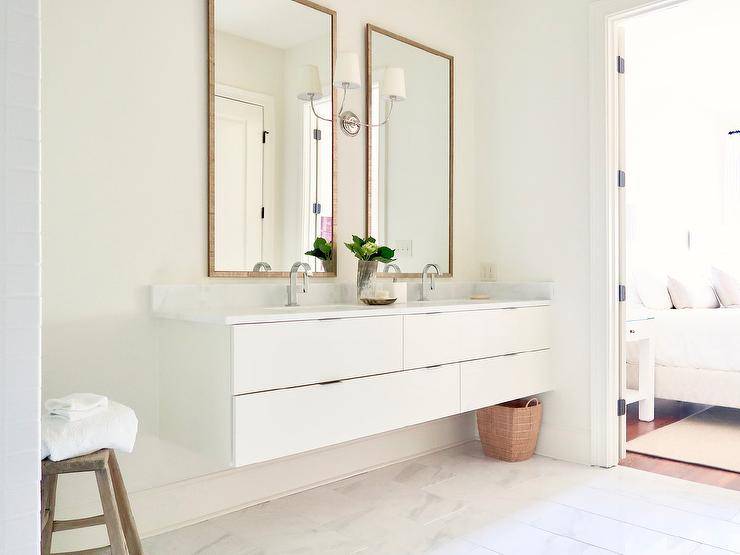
653,291
727,287
692,293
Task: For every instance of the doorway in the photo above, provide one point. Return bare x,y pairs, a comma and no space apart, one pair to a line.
669,160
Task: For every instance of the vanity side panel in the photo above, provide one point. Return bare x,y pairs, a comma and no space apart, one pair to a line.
279,423
287,354
195,387
446,337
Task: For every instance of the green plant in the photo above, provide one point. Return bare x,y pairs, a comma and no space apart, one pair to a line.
321,249
368,249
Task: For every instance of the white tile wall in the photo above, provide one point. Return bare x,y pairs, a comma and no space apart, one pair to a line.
20,302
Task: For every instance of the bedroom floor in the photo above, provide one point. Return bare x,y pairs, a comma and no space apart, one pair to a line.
669,412
458,502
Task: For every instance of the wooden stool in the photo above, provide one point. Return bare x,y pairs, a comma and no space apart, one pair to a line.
117,516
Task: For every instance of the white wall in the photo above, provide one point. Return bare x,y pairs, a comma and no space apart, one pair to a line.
125,180
532,152
19,278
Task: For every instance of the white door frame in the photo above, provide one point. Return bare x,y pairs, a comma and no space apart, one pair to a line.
605,16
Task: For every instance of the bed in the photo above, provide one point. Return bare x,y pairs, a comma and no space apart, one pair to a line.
697,356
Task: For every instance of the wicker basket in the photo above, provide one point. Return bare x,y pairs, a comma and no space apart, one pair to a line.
509,431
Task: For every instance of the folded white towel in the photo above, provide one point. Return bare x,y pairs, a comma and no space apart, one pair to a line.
77,406
112,428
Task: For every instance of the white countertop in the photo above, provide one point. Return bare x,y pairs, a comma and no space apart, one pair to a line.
262,314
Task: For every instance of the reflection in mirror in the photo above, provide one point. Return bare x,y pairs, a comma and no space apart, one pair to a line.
409,158
271,182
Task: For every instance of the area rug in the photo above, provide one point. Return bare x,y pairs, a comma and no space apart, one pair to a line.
710,438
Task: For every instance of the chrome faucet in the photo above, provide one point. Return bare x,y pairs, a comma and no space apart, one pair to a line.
262,266
425,272
396,268
293,287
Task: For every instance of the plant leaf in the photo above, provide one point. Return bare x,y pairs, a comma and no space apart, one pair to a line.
386,252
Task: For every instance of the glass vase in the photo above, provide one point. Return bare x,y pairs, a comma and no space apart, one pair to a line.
366,273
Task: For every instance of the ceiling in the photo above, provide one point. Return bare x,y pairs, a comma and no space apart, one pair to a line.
279,23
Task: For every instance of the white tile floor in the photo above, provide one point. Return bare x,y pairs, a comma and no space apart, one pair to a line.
459,502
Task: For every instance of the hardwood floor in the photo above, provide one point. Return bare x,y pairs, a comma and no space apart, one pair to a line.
668,412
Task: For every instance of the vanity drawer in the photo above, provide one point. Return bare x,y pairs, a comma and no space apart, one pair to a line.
455,336
278,423
287,354
490,381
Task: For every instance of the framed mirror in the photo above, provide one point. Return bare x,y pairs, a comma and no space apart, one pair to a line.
271,156
410,154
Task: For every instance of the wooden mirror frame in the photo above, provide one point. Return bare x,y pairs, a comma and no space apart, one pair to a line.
369,30
212,272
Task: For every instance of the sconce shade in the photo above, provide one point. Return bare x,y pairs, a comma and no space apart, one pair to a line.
394,84
309,83
347,70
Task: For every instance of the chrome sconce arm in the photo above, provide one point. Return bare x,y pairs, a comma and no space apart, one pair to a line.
348,120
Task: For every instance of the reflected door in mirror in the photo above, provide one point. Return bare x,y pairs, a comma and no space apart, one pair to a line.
239,192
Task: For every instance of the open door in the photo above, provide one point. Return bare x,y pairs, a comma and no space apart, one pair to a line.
622,227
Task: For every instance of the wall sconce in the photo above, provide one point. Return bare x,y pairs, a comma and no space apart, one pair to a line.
346,77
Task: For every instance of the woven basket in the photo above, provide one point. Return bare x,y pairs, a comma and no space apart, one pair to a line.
509,431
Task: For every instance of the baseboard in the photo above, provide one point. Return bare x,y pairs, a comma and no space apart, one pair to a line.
173,506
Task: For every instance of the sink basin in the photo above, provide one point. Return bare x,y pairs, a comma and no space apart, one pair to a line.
314,308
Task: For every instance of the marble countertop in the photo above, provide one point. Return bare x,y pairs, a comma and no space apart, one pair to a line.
262,314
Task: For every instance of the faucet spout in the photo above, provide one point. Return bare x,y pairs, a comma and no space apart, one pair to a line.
293,287
262,266
427,272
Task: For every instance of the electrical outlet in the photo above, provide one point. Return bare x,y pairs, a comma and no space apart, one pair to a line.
404,247
488,271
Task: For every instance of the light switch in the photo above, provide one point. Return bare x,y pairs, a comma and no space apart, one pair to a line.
404,247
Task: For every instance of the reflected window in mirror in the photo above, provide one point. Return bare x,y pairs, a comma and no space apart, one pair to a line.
409,157
271,160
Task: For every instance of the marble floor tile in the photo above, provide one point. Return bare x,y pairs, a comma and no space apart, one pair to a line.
600,531
199,539
319,505
666,520
507,536
458,502
692,497
709,550
415,474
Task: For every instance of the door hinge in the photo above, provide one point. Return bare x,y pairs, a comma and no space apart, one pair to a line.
620,65
621,178
621,407
316,208
262,213
264,136
317,134
622,293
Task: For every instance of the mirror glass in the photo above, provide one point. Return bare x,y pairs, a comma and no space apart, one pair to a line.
409,159
271,182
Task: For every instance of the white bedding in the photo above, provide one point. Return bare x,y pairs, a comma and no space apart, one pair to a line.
696,338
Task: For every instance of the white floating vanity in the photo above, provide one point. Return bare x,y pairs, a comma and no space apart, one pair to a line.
270,382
